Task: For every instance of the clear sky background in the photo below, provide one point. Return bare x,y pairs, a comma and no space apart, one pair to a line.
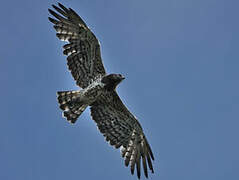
181,63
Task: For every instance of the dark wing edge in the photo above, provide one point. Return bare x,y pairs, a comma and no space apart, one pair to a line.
121,129
83,51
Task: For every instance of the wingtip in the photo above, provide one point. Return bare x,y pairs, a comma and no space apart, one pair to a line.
138,175
126,164
62,6
52,20
59,4
50,11
152,156
152,170
54,6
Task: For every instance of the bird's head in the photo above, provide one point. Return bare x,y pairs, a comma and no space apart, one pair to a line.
112,80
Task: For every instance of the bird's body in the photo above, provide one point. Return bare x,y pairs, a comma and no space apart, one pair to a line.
119,126
73,103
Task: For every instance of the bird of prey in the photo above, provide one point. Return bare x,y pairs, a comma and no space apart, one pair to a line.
98,91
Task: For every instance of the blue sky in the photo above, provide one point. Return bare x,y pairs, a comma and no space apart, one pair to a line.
180,60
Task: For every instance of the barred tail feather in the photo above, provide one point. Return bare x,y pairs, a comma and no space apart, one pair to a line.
71,104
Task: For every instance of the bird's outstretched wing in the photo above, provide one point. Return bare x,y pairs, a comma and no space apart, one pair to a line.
121,129
83,51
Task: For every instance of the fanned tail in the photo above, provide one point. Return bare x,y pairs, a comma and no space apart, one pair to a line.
71,104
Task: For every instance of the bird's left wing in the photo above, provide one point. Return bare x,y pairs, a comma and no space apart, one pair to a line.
121,129
83,51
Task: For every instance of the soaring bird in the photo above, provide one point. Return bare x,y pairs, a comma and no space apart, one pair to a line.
98,91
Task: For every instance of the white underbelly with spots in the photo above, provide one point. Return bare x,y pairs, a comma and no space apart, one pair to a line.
93,91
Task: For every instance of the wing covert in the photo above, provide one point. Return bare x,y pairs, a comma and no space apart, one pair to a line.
121,129
83,51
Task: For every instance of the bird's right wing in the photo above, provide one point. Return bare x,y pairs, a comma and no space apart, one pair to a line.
121,129
83,51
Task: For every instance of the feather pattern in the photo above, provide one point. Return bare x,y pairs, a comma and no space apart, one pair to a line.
119,127
122,129
83,51
71,104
